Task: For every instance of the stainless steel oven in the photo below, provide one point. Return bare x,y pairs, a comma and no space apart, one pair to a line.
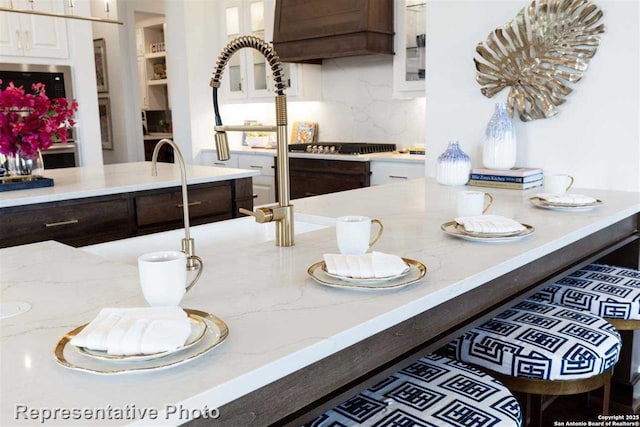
57,81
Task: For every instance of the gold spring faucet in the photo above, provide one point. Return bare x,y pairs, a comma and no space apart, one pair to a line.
282,212
188,245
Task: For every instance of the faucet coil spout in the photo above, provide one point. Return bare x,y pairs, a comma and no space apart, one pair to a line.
188,245
282,213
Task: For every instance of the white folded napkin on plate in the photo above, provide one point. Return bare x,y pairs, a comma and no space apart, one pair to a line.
567,199
367,266
489,224
130,331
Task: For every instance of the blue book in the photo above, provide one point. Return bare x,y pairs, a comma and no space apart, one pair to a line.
503,178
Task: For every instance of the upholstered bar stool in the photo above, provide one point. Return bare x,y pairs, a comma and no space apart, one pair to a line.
434,391
610,292
543,349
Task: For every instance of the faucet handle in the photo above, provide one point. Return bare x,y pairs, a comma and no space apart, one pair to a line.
261,215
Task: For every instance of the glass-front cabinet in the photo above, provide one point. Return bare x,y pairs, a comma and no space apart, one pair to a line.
409,62
248,76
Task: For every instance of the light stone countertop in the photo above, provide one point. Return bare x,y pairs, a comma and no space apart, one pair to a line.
279,319
90,181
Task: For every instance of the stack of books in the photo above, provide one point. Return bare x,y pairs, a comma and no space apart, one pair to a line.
515,178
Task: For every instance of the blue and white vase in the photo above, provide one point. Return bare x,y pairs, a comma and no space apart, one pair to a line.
453,166
499,149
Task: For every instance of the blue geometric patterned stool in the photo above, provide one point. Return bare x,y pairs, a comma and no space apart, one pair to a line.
432,392
543,349
610,292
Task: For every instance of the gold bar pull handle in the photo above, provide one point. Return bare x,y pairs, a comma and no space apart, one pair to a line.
398,177
196,203
255,167
27,40
19,39
59,223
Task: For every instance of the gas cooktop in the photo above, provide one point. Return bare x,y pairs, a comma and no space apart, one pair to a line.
341,148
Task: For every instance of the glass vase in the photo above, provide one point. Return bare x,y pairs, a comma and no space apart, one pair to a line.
499,149
453,166
22,165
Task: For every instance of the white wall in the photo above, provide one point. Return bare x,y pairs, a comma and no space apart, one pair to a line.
596,135
356,106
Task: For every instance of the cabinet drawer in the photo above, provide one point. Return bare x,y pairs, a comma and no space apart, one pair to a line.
72,222
166,206
264,164
210,158
387,172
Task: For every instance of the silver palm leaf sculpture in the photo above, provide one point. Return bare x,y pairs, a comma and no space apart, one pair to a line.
546,46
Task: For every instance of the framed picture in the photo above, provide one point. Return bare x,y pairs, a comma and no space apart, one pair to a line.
100,56
104,111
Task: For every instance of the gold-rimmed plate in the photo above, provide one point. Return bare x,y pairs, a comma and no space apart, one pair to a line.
452,228
416,272
350,279
545,204
460,228
70,357
198,330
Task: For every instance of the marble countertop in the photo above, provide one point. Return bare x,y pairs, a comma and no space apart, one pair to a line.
387,157
157,135
279,319
89,181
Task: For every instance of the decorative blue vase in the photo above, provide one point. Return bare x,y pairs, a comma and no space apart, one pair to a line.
453,166
499,149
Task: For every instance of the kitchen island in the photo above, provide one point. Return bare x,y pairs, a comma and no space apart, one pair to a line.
293,343
94,204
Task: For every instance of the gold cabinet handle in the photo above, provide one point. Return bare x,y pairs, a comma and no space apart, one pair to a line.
398,177
255,167
219,163
19,39
189,204
27,37
58,224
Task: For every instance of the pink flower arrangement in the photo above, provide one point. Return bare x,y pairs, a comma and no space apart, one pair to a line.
32,122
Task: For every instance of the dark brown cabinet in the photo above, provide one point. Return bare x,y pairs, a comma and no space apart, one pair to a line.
313,30
74,222
101,219
207,203
165,154
312,177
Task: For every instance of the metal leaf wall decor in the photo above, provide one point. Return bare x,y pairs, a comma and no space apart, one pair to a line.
548,44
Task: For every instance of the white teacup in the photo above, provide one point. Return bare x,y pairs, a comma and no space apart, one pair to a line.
163,277
354,234
557,184
473,203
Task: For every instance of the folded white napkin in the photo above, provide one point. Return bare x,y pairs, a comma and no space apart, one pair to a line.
367,266
489,224
567,199
129,331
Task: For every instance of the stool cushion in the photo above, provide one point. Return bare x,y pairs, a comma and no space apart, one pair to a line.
607,291
435,391
541,341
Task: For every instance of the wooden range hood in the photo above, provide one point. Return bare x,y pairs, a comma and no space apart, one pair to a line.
312,30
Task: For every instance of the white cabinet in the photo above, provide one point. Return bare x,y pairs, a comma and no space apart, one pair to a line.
264,191
247,77
409,60
395,171
210,158
152,64
32,35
